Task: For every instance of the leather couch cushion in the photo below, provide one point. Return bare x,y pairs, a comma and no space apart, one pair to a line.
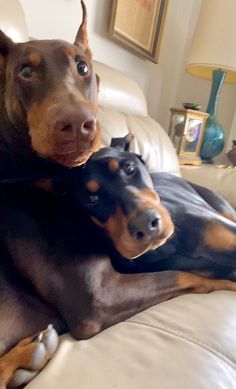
12,20
150,140
186,342
123,109
119,92
222,181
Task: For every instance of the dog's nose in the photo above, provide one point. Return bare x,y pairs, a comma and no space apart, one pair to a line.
72,122
146,225
88,126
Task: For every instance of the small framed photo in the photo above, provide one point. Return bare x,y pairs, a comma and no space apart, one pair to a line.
138,25
186,131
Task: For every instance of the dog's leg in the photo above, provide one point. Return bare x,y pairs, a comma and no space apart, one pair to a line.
119,296
25,360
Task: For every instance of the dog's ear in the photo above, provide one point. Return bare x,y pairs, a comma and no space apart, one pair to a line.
122,143
81,39
5,46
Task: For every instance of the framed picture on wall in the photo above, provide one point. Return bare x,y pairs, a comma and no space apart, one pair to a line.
138,25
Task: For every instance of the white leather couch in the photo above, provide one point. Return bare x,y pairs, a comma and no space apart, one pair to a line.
187,342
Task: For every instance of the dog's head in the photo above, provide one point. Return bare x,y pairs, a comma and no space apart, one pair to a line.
116,191
50,88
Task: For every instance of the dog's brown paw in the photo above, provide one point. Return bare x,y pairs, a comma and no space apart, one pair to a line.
36,352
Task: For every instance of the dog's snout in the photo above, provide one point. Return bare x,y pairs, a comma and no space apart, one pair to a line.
145,225
71,123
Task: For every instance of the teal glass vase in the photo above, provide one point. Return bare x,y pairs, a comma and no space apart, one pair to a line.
213,139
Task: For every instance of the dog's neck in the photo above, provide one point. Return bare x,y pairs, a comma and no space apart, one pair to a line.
14,136
16,165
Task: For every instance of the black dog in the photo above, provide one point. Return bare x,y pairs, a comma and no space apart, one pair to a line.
115,190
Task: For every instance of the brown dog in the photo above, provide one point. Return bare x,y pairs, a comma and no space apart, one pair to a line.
48,104
48,100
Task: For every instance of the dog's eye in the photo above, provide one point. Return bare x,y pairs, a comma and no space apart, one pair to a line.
93,199
27,72
82,68
129,168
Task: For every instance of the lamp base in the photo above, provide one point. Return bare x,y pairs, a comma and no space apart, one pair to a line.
213,138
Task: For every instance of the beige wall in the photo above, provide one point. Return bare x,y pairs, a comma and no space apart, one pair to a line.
61,19
170,85
165,84
232,133
165,79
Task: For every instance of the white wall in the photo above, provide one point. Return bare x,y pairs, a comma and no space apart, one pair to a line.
180,22
198,90
173,85
165,84
61,19
232,133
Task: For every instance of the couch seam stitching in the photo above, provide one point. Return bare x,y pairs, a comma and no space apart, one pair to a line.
190,339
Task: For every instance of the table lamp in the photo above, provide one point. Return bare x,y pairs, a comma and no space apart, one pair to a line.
213,57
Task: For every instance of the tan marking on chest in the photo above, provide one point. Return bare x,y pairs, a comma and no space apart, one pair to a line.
218,237
46,184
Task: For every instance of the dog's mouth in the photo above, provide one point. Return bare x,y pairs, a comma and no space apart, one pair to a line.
67,151
131,249
133,246
146,230
64,134
72,153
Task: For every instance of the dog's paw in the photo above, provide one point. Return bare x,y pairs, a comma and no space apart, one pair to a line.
50,340
42,348
21,377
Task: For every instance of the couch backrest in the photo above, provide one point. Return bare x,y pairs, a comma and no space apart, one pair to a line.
12,20
123,109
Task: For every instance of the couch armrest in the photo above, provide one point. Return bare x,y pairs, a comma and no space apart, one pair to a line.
220,180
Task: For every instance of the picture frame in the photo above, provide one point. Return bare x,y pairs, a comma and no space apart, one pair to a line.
138,26
186,132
